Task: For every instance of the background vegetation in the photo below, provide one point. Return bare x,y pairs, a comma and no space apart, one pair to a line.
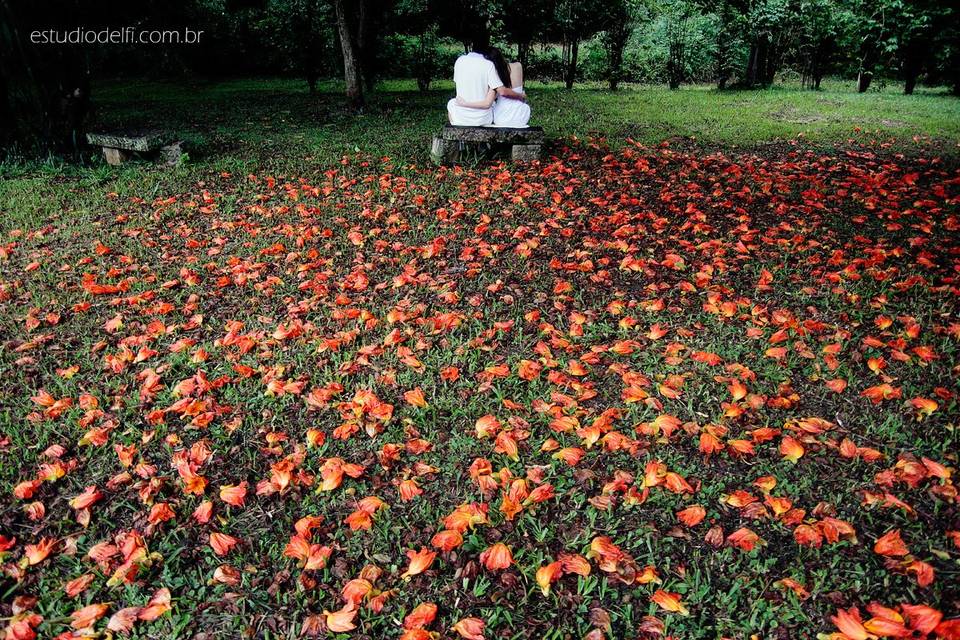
46,92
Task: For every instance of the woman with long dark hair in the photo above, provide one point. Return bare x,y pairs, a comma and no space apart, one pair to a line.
510,108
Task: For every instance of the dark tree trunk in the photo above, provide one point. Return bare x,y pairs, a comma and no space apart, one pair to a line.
867,58
953,63
366,29
912,65
352,72
723,68
676,54
909,84
523,53
750,75
760,65
571,71
423,66
617,43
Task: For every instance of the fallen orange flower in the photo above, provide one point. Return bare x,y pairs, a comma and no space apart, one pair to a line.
669,602
420,561
496,557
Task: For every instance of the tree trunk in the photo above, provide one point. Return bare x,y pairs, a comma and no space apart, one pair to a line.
572,66
367,26
352,73
912,65
676,53
723,73
423,65
863,81
617,43
760,65
763,62
523,53
909,83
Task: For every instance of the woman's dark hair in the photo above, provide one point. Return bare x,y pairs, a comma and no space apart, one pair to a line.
500,64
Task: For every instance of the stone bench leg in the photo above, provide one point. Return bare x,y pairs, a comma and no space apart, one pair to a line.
445,151
526,152
115,156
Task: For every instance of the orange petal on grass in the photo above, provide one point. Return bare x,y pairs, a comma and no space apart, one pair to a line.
234,494
421,617
78,585
159,604
575,563
37,553
356,590
470,628
891,544
849,624
669,602
87,616
743,538
692,515
420,561
921,617
497,556
447,540
221,543
415,398
791,449
122,621
548,574
837,385
341,621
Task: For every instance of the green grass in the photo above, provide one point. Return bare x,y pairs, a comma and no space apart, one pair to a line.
286,198
276,125
261,116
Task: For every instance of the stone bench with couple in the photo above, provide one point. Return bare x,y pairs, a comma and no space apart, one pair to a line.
490,107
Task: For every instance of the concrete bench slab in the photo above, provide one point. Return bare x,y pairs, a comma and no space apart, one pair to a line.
526,143
118,146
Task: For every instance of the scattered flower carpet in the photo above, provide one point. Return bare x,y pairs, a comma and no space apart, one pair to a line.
645,393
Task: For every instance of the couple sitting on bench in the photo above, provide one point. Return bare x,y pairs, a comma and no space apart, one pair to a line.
489,91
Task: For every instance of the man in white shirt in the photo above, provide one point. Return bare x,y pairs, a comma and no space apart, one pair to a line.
474,76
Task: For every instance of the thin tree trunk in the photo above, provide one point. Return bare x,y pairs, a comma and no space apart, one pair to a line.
909,83
523,53
750,77
352,73
617,45
572,66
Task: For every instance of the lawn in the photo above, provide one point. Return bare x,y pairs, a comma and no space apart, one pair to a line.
307,384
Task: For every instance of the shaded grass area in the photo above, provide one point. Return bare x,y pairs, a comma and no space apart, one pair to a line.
246,115
277,126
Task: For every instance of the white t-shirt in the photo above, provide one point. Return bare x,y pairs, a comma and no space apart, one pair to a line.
474,75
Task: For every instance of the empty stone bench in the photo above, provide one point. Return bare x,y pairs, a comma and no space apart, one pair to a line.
121,146
526,144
